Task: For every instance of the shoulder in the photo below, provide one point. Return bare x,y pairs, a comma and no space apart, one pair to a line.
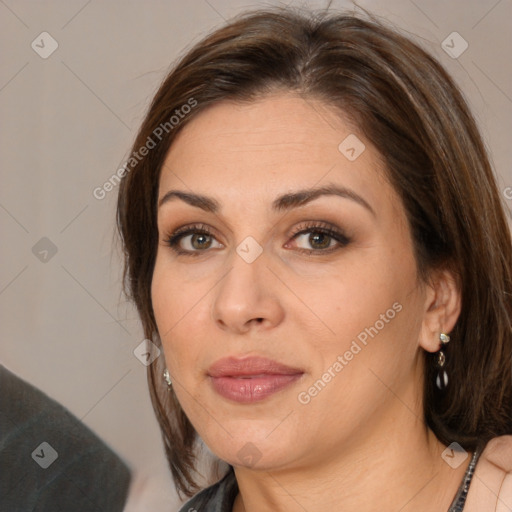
491,486
49,458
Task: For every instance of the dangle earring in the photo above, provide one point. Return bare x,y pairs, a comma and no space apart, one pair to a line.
167,378
442,376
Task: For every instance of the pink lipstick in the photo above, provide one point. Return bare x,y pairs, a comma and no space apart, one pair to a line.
251,379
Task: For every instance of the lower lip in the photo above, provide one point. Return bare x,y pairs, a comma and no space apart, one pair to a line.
253,389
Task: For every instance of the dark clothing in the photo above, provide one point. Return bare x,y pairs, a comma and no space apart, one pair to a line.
216,498
49,460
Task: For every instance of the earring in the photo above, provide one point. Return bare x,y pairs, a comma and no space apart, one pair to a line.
167,378
442,376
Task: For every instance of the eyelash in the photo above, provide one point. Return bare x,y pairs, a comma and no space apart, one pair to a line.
323,228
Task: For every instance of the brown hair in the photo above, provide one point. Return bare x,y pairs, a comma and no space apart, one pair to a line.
412,112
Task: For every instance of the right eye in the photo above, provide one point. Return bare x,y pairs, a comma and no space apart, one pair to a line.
192,240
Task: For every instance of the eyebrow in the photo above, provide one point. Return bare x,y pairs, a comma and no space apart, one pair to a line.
282,203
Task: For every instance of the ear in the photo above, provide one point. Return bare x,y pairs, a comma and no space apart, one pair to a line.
441,309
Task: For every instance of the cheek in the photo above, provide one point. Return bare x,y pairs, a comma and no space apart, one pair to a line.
181,313
372,351
162,298
168,307
354,298
172,297
375,304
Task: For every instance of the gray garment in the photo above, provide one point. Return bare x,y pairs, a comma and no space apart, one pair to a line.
221,496
49,460
216,498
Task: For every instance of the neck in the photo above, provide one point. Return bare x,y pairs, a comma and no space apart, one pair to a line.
378,469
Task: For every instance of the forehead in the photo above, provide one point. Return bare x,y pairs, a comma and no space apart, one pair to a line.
275,123
271,146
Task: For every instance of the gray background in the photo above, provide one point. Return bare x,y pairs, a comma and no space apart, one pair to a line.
67,123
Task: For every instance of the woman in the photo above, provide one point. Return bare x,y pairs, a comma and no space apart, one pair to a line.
314,237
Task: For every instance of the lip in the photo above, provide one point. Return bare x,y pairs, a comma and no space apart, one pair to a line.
251,379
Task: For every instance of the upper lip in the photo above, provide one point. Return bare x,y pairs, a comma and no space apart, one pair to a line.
249,366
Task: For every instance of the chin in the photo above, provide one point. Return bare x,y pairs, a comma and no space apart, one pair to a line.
257,447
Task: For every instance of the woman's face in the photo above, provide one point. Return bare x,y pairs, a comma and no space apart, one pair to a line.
285,288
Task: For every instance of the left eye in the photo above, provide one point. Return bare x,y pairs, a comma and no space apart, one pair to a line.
316,240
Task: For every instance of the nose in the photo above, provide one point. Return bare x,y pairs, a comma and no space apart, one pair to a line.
247,298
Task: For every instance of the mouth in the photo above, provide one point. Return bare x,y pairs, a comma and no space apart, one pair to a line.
251,379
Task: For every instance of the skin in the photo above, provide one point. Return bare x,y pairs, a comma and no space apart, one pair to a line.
362,440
